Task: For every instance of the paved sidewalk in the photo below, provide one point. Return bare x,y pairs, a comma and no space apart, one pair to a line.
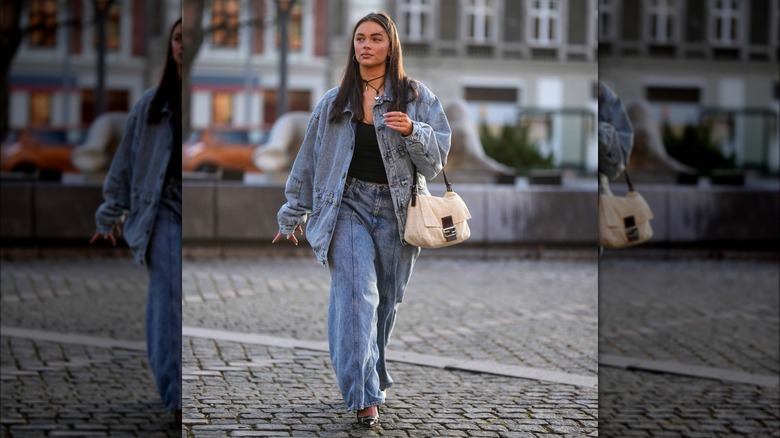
504,347
73,351
702,338
262,367
496,348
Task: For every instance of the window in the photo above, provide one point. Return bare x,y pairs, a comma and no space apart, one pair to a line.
725,23
297,100
415,20
676,105
113,26
43,23
116,100
224,22
481,25
607,20
493,105
40,108
491,94
544,22
661,21
222,108
294,29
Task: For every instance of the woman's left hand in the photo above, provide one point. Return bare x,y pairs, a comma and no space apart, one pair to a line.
398,121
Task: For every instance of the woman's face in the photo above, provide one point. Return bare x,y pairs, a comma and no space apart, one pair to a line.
372,45
176,44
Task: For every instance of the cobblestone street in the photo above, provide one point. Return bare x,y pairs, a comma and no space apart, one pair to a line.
513,317
703,341
73,351
493,347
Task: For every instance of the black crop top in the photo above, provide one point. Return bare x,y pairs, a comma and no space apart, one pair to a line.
367,164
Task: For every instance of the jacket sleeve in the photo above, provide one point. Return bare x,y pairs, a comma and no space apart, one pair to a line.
299,187
116,187
429,142
616,134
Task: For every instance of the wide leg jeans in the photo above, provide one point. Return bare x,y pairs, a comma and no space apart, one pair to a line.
370,268
163,309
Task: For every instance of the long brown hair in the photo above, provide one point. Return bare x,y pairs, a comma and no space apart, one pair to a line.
169,87
404,88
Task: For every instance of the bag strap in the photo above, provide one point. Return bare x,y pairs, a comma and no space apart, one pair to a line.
414,184
628,181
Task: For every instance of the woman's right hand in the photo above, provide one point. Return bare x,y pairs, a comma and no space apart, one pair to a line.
290,236
110,236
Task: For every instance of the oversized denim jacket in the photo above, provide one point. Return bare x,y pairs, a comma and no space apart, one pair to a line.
316,182
616,135
133,186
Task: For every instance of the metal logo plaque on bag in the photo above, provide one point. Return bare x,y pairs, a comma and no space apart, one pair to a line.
448,229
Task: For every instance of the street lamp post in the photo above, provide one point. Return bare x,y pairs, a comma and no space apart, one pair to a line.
101,13
248,73
66,82
283,8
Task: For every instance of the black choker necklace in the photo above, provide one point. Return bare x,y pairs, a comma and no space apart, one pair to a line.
376,89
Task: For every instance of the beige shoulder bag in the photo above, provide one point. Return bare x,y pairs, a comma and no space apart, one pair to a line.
434,222
624,221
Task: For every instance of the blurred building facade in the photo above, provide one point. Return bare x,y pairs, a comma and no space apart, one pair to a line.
235,76
53,76
700,60
512,61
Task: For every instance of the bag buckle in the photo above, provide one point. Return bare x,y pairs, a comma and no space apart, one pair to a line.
632,230
448,228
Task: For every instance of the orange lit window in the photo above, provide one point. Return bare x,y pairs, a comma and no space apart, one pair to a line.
222,108
40,108
113,26
224,22
43,23
294,30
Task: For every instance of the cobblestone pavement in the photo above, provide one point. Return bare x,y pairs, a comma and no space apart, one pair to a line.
83,388
515,313
538,314
715,315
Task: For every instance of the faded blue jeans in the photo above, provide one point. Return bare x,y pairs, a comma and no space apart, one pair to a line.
369,270
163,309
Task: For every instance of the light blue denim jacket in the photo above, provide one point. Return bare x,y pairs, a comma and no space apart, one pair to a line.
317,179
616,134
133,186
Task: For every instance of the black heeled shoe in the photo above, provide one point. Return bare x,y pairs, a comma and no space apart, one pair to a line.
369,420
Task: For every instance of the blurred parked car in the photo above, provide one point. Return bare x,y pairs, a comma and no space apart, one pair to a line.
39,148
211,149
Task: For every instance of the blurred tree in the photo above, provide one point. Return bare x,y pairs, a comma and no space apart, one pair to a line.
694,147
10,38
512,148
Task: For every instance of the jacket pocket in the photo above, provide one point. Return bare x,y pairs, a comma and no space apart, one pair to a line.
323,198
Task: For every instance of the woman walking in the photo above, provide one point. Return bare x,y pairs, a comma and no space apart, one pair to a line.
351,184
142,198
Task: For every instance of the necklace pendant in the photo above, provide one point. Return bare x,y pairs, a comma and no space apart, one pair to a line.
376,98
